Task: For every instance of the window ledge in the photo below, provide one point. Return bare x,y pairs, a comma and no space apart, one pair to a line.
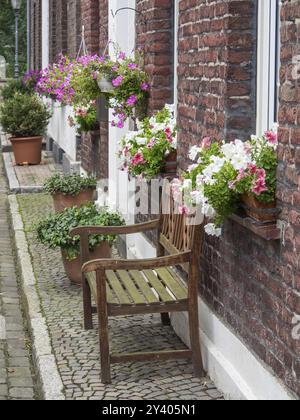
269,231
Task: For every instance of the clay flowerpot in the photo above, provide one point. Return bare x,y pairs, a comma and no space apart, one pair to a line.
261,212
62,201
105,85
73,267
170,166
27,150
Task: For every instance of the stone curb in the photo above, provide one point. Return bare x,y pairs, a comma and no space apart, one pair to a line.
50,380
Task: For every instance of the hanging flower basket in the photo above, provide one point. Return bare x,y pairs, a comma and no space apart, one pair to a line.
105,85
259,211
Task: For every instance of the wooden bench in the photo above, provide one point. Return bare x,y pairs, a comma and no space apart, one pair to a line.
130,287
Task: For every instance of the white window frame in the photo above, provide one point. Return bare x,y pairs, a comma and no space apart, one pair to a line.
267,63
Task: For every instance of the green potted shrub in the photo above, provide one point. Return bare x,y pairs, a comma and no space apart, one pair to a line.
25,118
70,190
54,232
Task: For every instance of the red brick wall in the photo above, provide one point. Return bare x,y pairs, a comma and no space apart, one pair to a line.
251,284
90,20
74,26
52,31
61,27
154,28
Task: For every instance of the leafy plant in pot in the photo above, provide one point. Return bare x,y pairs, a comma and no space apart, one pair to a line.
54,232
70,190
25,118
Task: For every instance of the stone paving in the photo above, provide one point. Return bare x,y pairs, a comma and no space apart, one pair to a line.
77,351
35,176
16,372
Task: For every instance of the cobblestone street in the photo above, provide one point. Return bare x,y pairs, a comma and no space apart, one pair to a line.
77,351
16,374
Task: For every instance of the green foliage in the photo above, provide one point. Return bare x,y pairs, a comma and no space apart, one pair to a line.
54,231
7,36
69,184
24,116
14,86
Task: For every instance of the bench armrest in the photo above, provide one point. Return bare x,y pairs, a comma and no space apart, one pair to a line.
115,230
148,264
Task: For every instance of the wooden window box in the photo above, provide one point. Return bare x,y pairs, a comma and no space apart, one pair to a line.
267,231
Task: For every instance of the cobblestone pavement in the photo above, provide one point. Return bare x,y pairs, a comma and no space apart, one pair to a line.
16,378
77,351
30,176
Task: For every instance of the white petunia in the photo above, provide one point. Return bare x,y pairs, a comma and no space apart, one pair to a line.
187,184
141,141
208,210
197,197
194,152
212,230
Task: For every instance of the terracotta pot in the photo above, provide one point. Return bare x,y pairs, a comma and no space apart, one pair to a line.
170,166
261,212
73,267
27,150
62,201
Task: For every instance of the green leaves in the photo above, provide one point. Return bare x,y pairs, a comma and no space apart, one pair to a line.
54,231
24,116
69,184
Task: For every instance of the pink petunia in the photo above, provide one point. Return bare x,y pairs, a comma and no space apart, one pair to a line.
259,187
206,143
138,159
132,100
132,66
145,87
271,137
122,56
117,82
184,210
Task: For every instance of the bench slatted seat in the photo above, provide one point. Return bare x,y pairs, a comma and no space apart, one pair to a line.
130,287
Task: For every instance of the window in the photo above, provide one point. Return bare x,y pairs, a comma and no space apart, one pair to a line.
268,63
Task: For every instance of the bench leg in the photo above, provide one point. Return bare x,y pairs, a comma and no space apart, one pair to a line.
165,319
103,328
87,305
195,342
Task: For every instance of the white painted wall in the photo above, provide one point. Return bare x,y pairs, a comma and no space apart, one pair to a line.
60,131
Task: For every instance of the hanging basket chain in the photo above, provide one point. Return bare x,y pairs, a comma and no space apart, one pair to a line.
83,48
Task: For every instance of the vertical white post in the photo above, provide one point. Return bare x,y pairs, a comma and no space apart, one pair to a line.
45,33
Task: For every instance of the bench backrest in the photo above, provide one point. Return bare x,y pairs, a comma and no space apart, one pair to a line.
179,232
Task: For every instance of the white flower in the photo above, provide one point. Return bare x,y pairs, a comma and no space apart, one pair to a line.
139,125
197,197
194,151
130,135
141,141
208,210
212,169
212,230
187,184
170,108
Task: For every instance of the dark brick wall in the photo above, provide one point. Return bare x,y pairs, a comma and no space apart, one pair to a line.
52,31
251,284
90,20
61,27
74,26
154,29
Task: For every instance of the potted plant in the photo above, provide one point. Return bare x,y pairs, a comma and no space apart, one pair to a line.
25,118
54,232
225,175
151,151
70,190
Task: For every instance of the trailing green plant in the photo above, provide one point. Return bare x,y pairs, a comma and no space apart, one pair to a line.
14,86
54,231
68,184
24,116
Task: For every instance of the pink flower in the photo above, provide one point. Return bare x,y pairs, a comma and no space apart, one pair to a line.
138,159
116,82
242,174
145,86
122,56
151,144
206,143
132,66
252,168
132,100
259,186
271,137
231,185
184,210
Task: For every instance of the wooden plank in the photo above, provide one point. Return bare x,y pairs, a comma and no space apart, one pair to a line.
158,286
143,286
91,277
137,297
147,356
115,284
154,308
171,281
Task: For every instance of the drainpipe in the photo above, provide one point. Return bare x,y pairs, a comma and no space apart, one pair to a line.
28,35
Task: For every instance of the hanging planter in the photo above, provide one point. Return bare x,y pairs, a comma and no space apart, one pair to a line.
105,85
259,211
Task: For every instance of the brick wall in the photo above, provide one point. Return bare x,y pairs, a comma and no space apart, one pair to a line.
61,27
251,284
52,31
90,20
74,26
154,28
